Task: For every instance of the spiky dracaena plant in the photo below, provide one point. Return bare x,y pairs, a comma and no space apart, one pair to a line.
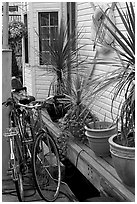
123,78
80,99
63,57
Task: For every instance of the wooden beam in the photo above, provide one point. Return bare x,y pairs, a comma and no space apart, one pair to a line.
55,131
95,172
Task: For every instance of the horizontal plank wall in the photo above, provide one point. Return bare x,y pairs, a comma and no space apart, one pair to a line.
102,106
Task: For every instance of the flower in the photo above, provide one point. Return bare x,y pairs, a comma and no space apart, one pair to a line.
17,30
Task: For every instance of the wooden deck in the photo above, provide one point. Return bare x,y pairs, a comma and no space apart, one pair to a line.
99,171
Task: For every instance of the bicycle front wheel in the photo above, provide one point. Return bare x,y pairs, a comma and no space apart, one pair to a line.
19,187
17,173
46,167
16,161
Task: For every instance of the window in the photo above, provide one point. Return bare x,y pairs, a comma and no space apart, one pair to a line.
26,40
71,18
48,25
12,8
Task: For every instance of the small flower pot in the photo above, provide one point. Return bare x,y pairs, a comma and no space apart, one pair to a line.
98,134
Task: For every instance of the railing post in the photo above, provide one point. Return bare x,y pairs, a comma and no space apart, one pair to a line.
6,88
5,25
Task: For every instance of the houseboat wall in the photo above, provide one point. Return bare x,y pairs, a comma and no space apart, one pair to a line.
85,10
37,78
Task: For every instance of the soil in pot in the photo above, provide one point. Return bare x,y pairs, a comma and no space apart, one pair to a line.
98,134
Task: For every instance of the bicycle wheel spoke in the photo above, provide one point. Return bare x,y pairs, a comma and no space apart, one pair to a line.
46,167
17,174
15,157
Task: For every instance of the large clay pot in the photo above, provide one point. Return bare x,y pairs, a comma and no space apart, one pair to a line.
124,161
98,134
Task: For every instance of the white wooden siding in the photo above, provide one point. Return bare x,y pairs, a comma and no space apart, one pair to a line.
36,77
102,105
43,80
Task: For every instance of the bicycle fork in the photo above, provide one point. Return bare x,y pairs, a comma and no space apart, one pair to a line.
13,164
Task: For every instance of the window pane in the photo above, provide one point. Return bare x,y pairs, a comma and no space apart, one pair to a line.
53,18
13,8
44,19
44,45
45,32
53,31
45,58
26,40
53,43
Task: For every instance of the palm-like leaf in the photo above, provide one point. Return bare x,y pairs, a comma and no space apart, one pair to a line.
123,78
78,109
63,56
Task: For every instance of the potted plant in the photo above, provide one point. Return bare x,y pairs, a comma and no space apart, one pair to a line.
98,133
62,61
122,145
17,30
78,113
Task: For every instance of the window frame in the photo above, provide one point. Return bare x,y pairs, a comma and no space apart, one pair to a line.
38,28
71,19
12,9
26,43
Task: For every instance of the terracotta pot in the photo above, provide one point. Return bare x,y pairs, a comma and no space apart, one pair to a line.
98,135
124,161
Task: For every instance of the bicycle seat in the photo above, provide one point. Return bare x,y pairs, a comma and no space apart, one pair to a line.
27,99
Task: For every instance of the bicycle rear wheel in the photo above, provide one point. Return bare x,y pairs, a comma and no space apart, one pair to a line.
46,167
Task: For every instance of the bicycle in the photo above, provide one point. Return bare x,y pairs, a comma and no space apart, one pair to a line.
32,148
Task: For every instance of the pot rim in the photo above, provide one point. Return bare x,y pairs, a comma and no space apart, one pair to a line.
96,137
112,143
99,130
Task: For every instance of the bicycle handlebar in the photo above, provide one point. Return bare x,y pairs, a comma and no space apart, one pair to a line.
38,104
30,106
19,89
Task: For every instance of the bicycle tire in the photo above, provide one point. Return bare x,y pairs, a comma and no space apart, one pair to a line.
17,175
46,167
19,188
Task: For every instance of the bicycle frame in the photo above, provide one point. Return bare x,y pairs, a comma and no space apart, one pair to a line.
22,143
35,118
25,152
